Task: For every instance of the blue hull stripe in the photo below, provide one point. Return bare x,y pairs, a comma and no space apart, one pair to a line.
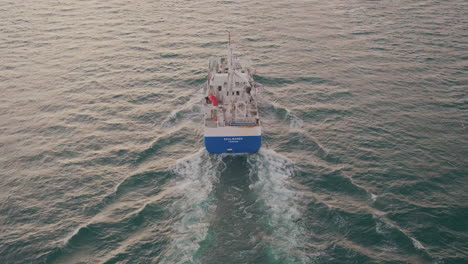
239,144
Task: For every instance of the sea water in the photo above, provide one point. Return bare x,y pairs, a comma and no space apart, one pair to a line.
364,120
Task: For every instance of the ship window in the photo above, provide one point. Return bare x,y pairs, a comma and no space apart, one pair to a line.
219,88
225,83
232,93
237,93
237,83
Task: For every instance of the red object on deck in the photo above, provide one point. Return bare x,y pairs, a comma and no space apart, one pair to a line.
213,99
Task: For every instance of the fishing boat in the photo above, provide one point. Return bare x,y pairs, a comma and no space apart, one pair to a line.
232,123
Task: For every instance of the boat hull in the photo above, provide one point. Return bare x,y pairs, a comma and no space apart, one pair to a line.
233,139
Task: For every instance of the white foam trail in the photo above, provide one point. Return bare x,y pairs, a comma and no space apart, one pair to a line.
416,243
72,234
274,173
384,223
187,107
197,175
294,121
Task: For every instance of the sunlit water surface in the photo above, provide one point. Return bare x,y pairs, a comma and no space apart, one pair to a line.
364,116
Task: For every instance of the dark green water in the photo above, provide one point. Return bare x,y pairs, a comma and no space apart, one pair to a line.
364,115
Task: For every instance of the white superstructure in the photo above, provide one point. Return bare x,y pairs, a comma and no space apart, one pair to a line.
230,106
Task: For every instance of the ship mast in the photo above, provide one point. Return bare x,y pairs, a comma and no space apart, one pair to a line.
230,68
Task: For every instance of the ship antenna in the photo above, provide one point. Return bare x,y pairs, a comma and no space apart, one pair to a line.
230,68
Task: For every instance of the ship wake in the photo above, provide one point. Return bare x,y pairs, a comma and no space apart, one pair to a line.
228,205
195,178
274,172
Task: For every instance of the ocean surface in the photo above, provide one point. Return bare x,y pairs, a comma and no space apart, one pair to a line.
365,147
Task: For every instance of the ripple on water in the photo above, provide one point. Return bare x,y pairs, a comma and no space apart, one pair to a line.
100,117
